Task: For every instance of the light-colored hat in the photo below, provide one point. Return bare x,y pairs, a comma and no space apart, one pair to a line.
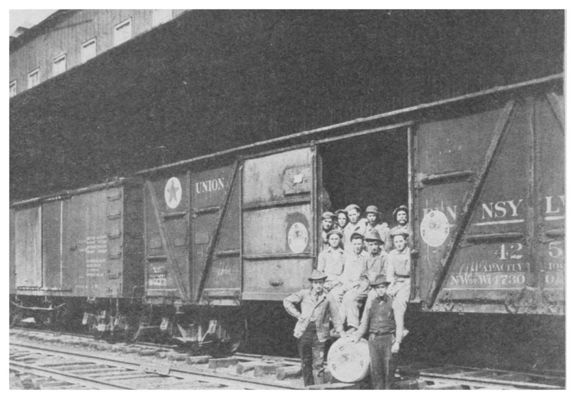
334,231
356,235
398,231
352,206
373,236
317,275
328,215
400,208
372,209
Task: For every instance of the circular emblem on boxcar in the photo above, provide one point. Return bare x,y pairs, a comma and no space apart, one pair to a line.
173,192
434,228
297,237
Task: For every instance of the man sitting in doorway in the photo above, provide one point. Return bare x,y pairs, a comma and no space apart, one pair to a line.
355,225
372,222
374,265
400,215
331,262
341,220
353,285
327,225
398,272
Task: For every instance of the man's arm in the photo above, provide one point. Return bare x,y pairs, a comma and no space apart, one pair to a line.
335,314
290,304
399,320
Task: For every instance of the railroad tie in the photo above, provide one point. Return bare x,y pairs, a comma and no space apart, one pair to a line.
289,372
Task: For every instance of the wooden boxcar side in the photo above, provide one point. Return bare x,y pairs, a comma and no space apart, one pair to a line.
192,236
485,188
86,243
489,205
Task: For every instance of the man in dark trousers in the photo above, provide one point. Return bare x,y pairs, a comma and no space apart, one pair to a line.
384,336
313,326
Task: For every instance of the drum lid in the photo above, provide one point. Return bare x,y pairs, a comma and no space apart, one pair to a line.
349,361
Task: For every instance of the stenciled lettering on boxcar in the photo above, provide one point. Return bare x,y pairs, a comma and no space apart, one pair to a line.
96,251
495,265
208,186
157,276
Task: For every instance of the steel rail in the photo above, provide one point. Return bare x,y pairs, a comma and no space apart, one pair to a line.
246,382
488,381
66,377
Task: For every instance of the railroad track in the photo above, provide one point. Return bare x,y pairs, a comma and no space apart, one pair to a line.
48,360
77,370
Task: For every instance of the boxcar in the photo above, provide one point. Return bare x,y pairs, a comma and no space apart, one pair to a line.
482,174
85,244
208,240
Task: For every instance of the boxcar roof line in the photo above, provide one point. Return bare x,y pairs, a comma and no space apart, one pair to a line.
310,133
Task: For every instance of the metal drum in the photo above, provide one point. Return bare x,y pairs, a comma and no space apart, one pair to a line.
349,361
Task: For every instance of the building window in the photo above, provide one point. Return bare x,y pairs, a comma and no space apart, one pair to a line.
123,31
161,16
88,50
13,88
33,78
59,65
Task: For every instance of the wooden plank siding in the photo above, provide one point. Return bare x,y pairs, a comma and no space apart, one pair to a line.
67,35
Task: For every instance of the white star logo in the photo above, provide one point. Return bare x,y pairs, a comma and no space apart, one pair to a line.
173,192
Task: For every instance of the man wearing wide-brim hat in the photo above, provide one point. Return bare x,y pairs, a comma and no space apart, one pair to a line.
316,308
384,334
376,259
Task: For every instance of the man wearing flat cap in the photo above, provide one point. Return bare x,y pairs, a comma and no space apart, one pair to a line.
373,222
384,334
312,329
327,225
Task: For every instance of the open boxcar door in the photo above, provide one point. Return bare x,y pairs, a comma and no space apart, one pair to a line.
277,223
484,184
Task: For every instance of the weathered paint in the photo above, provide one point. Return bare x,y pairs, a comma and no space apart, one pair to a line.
28,248
167,212
83,241
51,244
209,191
503,251
277,224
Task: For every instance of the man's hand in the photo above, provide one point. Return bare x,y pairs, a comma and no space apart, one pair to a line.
354,337
395,347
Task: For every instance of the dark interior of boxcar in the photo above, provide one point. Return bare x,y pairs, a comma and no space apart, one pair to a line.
367,170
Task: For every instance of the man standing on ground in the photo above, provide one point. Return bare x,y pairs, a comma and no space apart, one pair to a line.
313,326
384,336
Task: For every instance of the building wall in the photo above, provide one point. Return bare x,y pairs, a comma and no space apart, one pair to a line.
66,36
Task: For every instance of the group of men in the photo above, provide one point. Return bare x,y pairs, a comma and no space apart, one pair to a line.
361,259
